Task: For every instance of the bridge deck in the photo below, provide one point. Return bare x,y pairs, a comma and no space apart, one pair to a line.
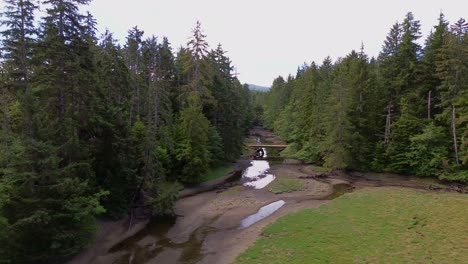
266,146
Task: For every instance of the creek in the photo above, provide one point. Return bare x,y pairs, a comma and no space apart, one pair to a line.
215,226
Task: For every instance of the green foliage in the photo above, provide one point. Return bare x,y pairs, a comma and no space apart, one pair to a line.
275,101
90,128
455,175
217,172
428,151
404,112
215,146
167,194
291,150
55,199
406,127
192,150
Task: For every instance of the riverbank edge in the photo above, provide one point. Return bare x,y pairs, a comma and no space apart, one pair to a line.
111,232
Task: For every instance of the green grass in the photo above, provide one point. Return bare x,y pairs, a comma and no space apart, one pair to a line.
217,172
285,185
385,225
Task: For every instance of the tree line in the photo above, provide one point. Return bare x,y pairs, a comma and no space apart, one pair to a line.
405,111
90,127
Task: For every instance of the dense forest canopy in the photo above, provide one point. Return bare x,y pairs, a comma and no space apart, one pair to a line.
90,127
405,111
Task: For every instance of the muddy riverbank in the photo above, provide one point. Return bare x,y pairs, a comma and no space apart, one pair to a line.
218,224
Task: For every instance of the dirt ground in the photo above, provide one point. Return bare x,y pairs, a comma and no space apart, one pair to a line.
207,229
222,212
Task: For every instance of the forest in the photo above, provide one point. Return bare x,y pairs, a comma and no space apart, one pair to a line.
95,129
404,112
92,128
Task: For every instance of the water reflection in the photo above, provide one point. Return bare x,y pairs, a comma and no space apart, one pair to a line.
148,245
256,175
264,212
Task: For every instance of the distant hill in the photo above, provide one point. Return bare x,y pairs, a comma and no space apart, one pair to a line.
254,87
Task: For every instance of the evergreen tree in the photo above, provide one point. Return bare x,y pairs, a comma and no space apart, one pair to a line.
133,59
453,71
336,146
89,127
192,138
197,68
429,78
17,47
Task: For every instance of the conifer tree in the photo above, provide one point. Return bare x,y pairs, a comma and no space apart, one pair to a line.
453,71
192,151
197,67
132,51
428,77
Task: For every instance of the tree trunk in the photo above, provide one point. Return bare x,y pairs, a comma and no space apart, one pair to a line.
454,131
387,124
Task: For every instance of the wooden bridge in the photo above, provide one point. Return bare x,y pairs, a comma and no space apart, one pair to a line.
257,146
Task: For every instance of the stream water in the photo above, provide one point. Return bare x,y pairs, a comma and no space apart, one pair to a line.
152,241
153,245
256,175
262,213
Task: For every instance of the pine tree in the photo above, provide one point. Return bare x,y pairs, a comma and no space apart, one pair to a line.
115,154
197,67
17,49
192,151
132,51
453,71
50,178
336,146
428,76
199,48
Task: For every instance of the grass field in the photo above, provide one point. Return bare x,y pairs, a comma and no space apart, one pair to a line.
217,172
384,225
285,185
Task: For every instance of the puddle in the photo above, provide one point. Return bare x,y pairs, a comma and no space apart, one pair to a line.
256,175
261,182
339,190
149,243
262,213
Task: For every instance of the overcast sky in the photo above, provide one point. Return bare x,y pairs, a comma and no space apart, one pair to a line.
267,38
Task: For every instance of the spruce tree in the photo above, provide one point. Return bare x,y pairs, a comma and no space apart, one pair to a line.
453,71
428,97
192,151
17,50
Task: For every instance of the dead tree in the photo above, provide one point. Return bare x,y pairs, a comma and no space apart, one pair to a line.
389,109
